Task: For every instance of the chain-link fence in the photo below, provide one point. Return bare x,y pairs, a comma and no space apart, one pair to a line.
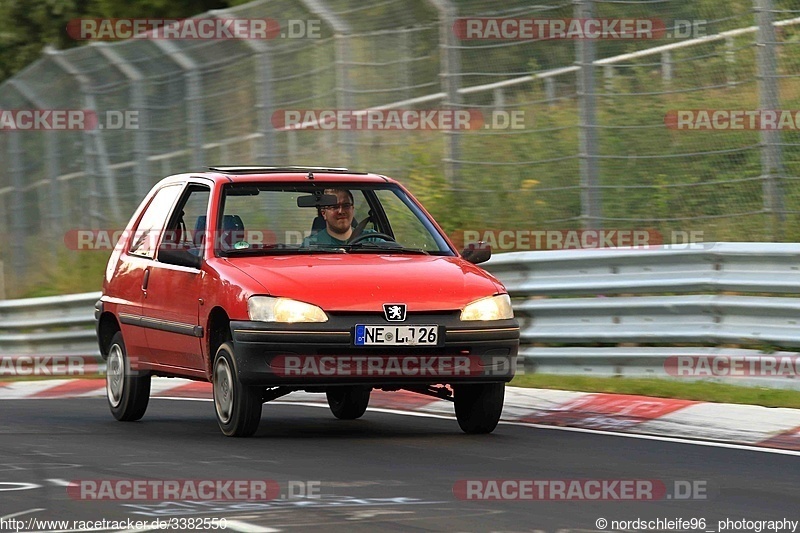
592,151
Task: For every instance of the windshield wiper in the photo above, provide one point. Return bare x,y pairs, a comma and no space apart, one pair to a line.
383,247
279,249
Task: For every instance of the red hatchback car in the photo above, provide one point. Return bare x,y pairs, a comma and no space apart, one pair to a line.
266,280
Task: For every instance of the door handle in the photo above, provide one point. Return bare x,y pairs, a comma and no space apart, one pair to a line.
145,280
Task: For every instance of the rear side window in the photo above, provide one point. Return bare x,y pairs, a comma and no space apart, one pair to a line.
147,233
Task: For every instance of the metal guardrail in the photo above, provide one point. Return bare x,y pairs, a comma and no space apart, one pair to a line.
580,298
661,297
53,325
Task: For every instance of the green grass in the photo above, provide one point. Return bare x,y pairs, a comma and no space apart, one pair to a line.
663,388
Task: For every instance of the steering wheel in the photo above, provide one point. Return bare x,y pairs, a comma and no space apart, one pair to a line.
365,236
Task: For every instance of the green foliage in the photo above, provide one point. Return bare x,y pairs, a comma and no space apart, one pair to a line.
706,391
27,26
66,273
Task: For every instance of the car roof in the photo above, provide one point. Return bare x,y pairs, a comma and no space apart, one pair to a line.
299,174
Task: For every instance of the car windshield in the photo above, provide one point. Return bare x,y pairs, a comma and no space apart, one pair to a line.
260,219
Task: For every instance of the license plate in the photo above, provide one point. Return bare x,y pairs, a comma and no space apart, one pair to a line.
397,335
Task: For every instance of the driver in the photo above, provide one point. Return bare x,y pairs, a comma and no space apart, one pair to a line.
338,220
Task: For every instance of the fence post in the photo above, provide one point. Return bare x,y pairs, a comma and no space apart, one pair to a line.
450,75
730,61
55,203
550,90
342,59
19,259
771,153
263,92
590,194
666,67
608,79
94,150
140,150
194,107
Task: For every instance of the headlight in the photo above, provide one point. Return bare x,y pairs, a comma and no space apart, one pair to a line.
269,309
492,308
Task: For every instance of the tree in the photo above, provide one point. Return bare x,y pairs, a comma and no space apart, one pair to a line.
27,26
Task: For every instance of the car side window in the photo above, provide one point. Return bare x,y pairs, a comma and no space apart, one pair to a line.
148,231
187,226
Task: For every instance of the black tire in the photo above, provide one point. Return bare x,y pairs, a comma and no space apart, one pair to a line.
237,406
478,407
348,403
127,391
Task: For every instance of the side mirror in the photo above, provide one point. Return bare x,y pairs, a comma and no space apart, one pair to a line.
477,253
179,257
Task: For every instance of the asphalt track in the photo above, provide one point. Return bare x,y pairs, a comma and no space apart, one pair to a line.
388,471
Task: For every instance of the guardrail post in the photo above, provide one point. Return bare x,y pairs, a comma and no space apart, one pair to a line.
771,153
590,194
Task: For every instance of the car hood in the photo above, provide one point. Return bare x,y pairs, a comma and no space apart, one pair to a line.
351,282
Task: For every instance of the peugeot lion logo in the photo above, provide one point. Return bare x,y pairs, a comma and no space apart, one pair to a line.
394,312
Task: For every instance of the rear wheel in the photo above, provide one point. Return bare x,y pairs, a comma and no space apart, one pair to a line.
479,406
348,403
128,392
238,406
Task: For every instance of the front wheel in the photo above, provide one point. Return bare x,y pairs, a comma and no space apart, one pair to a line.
128,392
238,406
348,403
479,406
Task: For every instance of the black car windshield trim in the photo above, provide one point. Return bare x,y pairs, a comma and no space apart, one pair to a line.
280,249
382,247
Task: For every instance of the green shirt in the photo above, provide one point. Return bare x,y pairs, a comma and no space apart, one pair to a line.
322,237
325,238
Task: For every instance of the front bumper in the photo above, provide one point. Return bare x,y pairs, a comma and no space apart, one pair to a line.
272,354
